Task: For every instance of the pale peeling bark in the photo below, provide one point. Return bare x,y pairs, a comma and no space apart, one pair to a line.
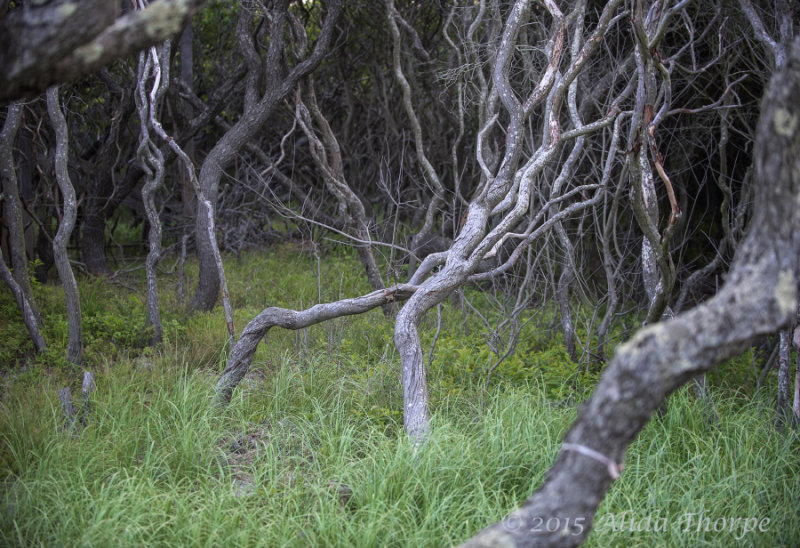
658,269
242,354
759,298
506,195
45,43
69,214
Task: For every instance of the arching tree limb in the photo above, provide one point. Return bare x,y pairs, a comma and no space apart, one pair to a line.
242,354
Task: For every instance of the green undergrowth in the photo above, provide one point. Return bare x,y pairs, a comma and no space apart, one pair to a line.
311,451
299,459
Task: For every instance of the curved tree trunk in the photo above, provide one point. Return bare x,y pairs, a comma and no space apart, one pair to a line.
759,298
242,353
152,63
253,118
69,214
506,194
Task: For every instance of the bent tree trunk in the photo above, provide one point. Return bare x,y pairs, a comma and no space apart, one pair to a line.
17,280
25,307
759,298
152,63
242,354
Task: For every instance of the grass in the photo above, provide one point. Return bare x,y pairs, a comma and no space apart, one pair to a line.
311,451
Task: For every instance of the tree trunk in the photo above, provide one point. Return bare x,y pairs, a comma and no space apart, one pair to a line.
69,214
253,118
242,353
46,43
93,240
13,207
25,308
152,63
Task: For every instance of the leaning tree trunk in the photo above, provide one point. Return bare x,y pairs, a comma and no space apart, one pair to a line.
17,281
759,298
12,208
25,307
506,194
69,214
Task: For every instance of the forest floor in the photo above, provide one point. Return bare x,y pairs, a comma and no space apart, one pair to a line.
311,450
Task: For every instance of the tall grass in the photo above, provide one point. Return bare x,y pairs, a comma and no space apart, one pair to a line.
311,451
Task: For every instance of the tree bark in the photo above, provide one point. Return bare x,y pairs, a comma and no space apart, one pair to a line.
12,208
103,192
69,214
152,63
253,118
28,316
45,43
242,354
759,298
506,194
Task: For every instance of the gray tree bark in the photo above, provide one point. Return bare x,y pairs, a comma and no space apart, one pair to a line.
256,113
25,307
69,214
45,43
12,208
242,354
760,297
153,63
505,194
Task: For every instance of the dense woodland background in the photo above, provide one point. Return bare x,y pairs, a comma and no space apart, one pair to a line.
474,202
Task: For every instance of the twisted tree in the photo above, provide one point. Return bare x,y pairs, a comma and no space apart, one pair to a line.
759,297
